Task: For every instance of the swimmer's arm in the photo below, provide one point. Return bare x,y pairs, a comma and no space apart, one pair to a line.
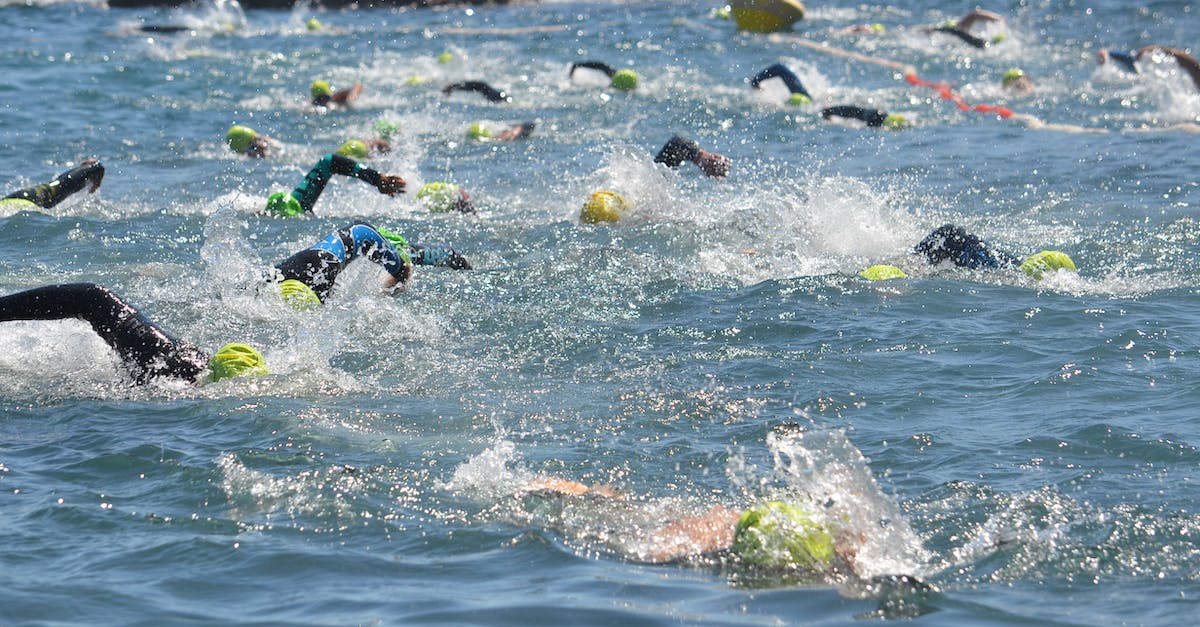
347,95
978,15
593,65
781,72
1185,60
691,536
679,149
389,184
443,256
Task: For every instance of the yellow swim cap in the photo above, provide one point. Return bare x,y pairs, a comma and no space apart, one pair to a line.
799,99
320,88
239,138
439,197
236,360
1037,264
780,535
625,80
313,24
479,131
298,295
1011,76
353,148
882,272
895,121
603,206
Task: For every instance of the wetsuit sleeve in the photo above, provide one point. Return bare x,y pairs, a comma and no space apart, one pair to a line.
146,350
967,38
310,189
873,117
489,92
963,249
593,65
781,72
368,243
676,151
442,256
50,194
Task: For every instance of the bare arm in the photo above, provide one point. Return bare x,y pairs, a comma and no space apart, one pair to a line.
1185,60
967,21
689,536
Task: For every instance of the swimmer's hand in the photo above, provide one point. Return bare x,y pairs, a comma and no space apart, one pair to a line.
391,184
456,261
713,164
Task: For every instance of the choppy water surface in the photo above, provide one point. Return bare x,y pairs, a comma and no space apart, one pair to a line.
1027,449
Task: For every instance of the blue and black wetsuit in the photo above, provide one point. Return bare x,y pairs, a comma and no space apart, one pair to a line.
49,194
963,249
781,72
318,266
309,190
145,349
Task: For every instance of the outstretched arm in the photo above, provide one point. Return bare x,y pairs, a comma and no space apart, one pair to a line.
679,149
1185,60
978,15
89,173
593,65
781,72
489,92
310,189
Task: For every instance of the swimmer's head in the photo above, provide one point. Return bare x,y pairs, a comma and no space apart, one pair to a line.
239,138
603,206
799,99
999,37
782,535
415,80
479,131
298,295
625,80
313,24
882,272
354,149
895,121
878,28
1040,263
236,360
398,242
284,204
439,197
386,128
445,57
1011,76
320,89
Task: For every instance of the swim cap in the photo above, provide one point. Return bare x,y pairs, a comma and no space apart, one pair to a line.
298,295
284,204
479,131
398,242
354,149
878,28
445,57
415,80
999,38
19,204
723,13
895,121
239,138
603,206
778,534
799,99
625,80
439,197
320,88
236,360
1037,264
1011,76
313,24
386,128
882,272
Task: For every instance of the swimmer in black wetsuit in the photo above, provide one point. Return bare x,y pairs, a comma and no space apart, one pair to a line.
305,196
89,173
954,244
489,92
679,149
961,28
872,117
145,349
789,79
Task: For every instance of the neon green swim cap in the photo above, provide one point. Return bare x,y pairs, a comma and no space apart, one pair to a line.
999,38
320,88
799,99
439,197
313,24
878,28
19,204
445,57
479,131
1038,264
882,272
895,121
298,295
284,204
780,535
386,128
603,206
1011,76
415,80
236,360
239,138
625,80
398,242
354,149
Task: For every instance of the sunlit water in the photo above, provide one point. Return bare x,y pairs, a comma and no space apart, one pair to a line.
1027,449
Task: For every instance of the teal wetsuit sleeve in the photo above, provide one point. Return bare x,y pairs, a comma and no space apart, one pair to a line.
310,189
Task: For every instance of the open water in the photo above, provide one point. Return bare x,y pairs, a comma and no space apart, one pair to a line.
1029,450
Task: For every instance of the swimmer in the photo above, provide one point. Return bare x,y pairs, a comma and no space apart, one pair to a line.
441,197
1125,61
323,94
364,148
304,197
679,149
961,28
89,173
1185,60
307,277
247,141
874,118
148,352
799,95
954,244
1017,81
489,92
624,80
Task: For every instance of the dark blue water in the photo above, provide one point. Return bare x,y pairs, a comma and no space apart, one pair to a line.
1027,449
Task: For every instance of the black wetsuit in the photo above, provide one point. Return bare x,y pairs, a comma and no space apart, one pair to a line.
146,350
593,65
49,194
309,190
489,92
781,72
967,38
873,117
676,151
963,249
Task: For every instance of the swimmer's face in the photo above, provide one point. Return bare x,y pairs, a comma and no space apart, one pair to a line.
1102,56
258,148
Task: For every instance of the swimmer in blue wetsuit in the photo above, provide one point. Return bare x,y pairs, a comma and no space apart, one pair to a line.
305,196
89,173
146,350
966,250
800,95
317,267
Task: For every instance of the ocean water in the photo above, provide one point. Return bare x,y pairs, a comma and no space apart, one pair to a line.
1027,450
